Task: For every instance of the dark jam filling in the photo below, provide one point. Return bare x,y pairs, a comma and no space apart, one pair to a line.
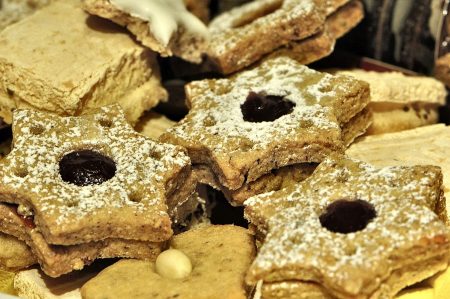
86,167
347,216
259,107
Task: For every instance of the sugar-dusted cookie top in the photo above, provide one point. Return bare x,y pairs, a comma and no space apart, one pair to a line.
277,114
244,34
351,228
219,256
91,177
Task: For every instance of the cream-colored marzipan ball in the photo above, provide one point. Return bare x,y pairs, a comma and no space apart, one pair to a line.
174,264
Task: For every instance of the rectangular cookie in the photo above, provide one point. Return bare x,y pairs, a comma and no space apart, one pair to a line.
61,60
400,102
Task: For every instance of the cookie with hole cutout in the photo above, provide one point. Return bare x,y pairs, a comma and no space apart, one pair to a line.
92,177
278,114
351,231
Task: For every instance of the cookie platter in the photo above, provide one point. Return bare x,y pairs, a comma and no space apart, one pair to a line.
215,149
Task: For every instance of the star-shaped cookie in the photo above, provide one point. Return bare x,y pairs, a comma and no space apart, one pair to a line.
92,177
353,230
277,114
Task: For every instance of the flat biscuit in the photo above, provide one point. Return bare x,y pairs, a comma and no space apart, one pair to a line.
56,260
220,256
401,102
133,202
83,64
246,33
14,254
427,145
175,31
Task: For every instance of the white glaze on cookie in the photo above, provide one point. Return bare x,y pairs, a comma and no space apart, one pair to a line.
163,16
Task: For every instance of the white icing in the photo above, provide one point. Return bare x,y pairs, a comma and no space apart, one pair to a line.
163,16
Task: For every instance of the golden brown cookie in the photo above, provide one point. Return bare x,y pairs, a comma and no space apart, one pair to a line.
278,114
427,145
353,230
220,257
83,64
14,254
166,27
246,33
92,177
321,44
56,260
400,102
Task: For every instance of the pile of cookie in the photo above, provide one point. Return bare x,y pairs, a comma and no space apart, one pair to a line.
95,173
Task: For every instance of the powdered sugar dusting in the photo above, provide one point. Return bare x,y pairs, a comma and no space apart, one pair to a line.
31,170
225,35
354,263
216,107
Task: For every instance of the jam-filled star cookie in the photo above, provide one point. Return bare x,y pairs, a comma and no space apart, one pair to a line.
209,261
351,231
278,114
92,177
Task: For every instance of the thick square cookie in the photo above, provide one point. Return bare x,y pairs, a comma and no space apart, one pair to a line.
400,102
61,60
277,114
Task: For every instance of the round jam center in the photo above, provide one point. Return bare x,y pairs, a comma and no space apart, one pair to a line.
347,216
258,107
86,167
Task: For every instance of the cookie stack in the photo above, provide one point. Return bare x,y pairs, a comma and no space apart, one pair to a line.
303,30
80,188
81,184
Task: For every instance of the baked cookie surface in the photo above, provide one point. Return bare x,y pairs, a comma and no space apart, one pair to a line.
220,256
91,177
350,223
277,114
